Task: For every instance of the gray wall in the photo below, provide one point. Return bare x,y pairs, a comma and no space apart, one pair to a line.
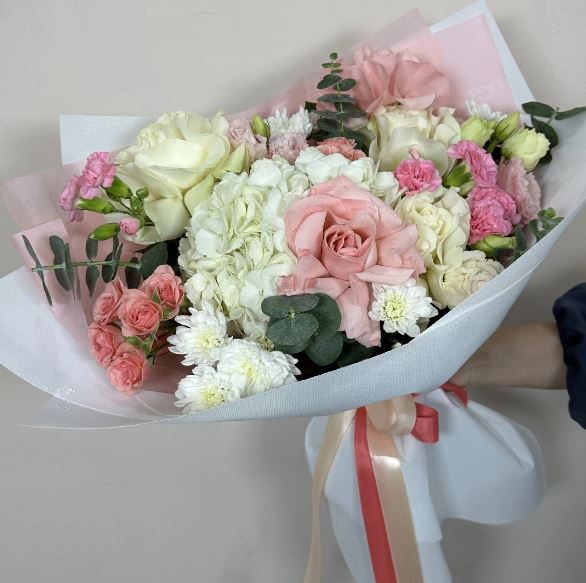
229,503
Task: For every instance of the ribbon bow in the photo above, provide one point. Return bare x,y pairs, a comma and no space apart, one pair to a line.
383,495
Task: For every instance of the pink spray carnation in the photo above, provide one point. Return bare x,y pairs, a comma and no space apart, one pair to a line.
287,145
522,186
98,172
492,212
169,288
386,78
417,175
240,133
106,306
479,162
138,314
68,198
129,226
128,369
346,239
104,342
342,146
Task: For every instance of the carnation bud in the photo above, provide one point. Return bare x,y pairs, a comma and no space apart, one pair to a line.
118,189
493,243
458,176
104,232
142,193
507,126
477,130
260,127
95,205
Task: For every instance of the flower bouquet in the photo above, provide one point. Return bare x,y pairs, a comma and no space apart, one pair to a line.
342,249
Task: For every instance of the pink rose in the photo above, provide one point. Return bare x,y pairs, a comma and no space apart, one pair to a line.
346,239
479,162
342,146
104,342
240,133
492,212
522,186
168,286
386,78
138,314
417,175
98,172
106,306
128,368
287,145
129,226
68,198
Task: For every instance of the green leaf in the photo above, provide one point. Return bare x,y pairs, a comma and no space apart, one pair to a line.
325,349
328,81
41,275
353,353
152,258
546,159
345,85
91,248
539,109
546,130
132,274
292,331
561,115
336,98
295,349
334,56
58,246
328,315
92,274
283,306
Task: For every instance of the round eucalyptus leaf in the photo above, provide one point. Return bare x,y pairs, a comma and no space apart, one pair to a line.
284,306
328,315
292,331
325,350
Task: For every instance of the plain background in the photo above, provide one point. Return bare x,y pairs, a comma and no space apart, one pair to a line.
230,503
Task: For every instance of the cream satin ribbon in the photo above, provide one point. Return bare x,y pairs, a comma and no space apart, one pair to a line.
393,417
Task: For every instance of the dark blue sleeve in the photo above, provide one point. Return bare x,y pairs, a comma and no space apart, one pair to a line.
570,315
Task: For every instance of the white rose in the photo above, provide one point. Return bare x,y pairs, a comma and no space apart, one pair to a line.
396,131
452,285
177,158
442,219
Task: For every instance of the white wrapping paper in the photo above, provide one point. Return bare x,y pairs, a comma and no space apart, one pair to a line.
33,345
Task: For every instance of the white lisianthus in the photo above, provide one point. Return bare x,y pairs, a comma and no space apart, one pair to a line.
204,389
200,336
298,123
397,131
402,308
451,285
321,167
235,249
177,158
250,369
442,219
528,145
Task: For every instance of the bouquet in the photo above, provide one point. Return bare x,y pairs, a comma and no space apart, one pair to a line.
353,240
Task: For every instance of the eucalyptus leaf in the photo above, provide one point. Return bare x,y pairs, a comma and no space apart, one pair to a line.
335,115
336,98
107,274
292,349
41,275
132,274
91,248
353,353
292,331
546,130
310,106
561,115
345,85
328,315
57,245
328,125
152,258
92,274
535,108
328,81
325,349
283,306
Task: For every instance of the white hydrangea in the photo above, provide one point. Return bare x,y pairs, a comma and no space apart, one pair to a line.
402,308
204,389
200,336
484,111
250,369
235,248
321,167
298,123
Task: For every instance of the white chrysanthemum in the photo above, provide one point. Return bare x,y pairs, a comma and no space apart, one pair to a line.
321,167
204,389
484,111
251,369
401,307
200,336
298,123
238,231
